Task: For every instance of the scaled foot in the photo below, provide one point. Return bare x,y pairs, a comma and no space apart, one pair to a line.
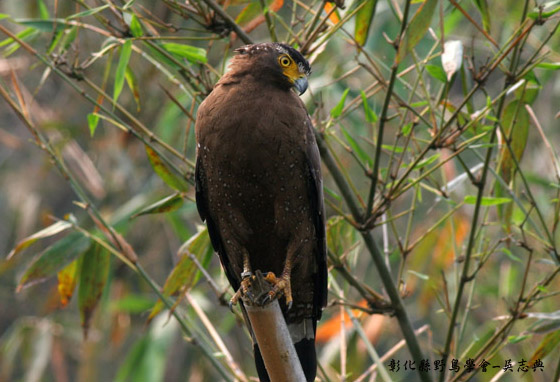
280,285
244,289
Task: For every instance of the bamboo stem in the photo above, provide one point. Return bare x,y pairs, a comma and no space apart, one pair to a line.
271,332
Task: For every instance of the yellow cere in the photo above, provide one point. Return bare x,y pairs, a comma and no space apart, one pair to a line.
289,68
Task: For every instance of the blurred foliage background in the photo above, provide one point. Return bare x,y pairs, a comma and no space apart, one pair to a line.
438,127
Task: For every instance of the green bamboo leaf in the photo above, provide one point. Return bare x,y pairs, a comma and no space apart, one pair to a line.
356,147
68,37
249,13
549,65
25,35
371,117
147,360
128,4
54,258
167,204
396,149
133,86
55,41
21,35
505,211
341,236
547,346
486,200
4,16
516,339
337,110
548,322
164,172
545,10
88,12
132,303
93,277
436,72
191,53
364,18
479,341
515,120
49,231
160,58
419,275
93,120
332,193
43,10
136,27
126,51
482,6
529,90
427,161
420,103
417,28
406,129
48,25
511,255
185,274
133,360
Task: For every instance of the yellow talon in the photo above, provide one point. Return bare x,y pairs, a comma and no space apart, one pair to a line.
243,290
281,285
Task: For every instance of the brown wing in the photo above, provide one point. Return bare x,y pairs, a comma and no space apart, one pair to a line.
213,232
315,190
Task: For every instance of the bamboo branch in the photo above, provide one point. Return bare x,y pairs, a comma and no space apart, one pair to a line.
377,256
119,245
383,117
480,185
271,332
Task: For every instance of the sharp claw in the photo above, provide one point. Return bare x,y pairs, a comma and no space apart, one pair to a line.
230,304
290,305
266,300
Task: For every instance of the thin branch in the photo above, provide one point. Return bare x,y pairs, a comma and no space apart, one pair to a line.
383,117
377,256
231,22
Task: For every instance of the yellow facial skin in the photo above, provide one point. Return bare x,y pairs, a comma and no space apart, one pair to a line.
289,68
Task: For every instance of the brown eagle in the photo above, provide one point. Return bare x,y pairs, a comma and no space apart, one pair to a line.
259,186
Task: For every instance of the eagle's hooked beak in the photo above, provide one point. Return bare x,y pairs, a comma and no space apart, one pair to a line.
301,84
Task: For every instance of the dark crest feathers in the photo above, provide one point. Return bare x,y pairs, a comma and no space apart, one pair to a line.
280,48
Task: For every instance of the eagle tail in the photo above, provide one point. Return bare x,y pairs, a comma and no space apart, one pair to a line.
303,337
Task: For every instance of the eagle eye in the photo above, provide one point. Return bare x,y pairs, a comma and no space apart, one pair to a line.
285,61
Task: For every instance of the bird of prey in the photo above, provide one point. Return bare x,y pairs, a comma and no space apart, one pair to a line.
259,186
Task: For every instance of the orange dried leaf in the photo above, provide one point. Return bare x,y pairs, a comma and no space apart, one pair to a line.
67,278
331,328
334,17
